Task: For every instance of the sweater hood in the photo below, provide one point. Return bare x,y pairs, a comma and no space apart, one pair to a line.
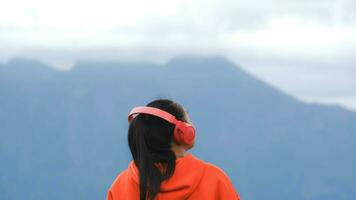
186,177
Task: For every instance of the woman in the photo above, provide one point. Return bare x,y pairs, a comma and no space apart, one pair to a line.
159,135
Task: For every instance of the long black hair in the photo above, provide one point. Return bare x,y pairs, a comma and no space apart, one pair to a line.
150,140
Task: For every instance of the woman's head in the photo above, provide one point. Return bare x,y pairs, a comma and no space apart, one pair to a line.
151,141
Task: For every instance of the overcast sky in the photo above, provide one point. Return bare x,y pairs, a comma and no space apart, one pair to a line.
304,47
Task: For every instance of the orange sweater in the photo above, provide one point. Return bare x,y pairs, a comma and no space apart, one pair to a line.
192,179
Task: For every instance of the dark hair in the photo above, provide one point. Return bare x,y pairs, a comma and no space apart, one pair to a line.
150,141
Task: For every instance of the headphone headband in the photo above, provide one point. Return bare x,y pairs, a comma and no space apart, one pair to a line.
152,111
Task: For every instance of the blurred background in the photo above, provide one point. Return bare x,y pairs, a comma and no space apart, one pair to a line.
268,84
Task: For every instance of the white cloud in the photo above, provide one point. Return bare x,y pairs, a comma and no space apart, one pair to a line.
311,39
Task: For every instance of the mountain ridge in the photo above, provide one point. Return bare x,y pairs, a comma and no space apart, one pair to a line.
178,61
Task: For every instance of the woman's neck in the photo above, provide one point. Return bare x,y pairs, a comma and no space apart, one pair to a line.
179,151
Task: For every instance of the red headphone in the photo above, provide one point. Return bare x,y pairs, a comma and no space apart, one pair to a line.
184,133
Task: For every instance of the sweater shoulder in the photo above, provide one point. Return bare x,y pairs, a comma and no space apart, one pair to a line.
215,170
119,179
123,187
221,180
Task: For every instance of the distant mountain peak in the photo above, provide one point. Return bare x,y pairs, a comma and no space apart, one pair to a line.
193,59
21,62
28,68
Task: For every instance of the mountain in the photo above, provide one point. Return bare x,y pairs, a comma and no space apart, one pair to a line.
63,133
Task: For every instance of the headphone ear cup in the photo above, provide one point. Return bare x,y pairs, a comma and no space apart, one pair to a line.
184,133
189,134
178,134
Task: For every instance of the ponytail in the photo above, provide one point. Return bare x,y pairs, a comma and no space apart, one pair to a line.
150,139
